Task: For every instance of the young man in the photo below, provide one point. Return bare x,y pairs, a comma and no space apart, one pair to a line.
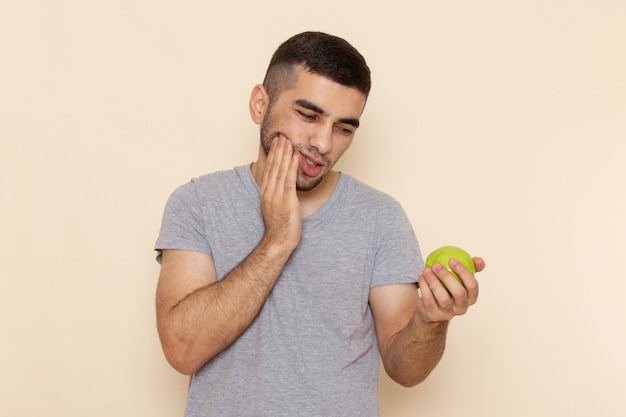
283,282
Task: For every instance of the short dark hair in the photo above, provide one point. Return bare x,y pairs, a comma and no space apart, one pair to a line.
319,53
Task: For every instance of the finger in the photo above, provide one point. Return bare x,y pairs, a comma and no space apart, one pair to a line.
479,264
268,177
292,173
284,175
440,284
470,283
423,289
277,165
440,295
427,304
460,298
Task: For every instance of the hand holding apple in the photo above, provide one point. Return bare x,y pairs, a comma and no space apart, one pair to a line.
445,253
437,301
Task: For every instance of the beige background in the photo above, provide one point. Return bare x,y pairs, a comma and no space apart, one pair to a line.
499,125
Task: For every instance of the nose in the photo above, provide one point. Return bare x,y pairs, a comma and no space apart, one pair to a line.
322,139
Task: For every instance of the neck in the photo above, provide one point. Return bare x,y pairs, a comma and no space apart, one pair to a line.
311,201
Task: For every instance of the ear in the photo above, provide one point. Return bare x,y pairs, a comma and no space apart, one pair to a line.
259,100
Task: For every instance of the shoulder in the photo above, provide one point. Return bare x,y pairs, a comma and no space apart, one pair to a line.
379,212
201,187
215,179
363,195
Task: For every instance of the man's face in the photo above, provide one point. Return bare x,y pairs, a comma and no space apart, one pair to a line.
320,118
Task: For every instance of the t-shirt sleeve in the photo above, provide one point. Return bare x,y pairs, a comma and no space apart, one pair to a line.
398,259
182,226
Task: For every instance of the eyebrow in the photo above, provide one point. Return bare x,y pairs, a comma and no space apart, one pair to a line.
315,108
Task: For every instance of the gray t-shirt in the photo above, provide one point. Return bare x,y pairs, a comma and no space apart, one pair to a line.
312,349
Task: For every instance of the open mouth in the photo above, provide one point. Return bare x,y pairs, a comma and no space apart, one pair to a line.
309,166
310,163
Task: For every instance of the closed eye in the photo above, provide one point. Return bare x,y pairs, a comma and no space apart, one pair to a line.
306,116
345,130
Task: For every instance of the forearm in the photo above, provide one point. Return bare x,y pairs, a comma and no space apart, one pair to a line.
415,351
205,315
209,319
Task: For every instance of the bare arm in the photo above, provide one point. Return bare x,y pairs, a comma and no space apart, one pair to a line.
197,316
411,326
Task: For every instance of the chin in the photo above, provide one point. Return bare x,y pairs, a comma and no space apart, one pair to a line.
304,183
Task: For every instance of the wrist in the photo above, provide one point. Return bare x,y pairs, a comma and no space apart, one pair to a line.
432,327
274,249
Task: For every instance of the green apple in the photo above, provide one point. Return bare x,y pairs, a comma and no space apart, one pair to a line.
445,253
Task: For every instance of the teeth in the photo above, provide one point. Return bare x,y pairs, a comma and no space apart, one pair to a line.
311,163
